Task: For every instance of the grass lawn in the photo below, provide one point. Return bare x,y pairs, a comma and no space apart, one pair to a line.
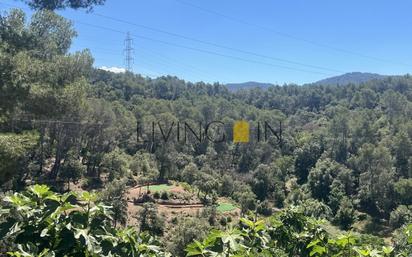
225,207
161,187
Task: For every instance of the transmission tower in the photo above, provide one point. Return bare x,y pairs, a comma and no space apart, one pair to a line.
128,51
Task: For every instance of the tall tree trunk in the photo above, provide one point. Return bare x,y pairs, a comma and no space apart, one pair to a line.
56,166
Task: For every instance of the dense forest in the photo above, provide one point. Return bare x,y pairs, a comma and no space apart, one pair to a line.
78,176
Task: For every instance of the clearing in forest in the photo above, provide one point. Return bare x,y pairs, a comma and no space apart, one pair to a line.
226,207
161,187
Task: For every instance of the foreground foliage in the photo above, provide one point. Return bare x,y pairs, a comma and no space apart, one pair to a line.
39,222
290,233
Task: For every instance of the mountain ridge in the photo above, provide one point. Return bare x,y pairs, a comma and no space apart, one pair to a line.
344,79
350,78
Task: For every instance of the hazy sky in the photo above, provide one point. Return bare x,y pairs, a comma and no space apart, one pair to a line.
275,41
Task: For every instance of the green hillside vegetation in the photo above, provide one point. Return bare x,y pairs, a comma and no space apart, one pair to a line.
73,169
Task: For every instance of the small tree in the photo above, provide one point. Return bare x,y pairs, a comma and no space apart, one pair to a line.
187,230
207,184
246,199
345,215
400,216
114,195
72,170
150,220
115,164
403,189
226,186
145,167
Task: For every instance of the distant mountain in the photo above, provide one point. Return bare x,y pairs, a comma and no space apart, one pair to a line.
247,85
344,79
352,77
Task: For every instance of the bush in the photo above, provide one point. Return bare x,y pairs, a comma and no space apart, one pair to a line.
164,196
150,220
131,182
264,208
144,199
316,209
91,183
210,213
403,189
186,187
174,220
156,195
345,215
400,216
246,198
189,229
223,221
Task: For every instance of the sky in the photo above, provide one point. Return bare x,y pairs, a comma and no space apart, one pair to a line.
231,41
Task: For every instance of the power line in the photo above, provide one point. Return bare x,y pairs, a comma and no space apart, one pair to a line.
59,121
215,44
244,51
185,67
105,52
287,35
197,49
167,61
129,59
203,51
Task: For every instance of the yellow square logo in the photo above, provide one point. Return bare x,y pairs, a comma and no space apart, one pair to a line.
241,132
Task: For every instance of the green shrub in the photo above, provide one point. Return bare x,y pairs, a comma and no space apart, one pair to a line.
291,233
400,216
186,186
174,220
264,208
345,216
223,221
150,220
164,196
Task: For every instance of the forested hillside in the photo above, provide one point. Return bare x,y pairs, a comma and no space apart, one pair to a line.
339,184
350,78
